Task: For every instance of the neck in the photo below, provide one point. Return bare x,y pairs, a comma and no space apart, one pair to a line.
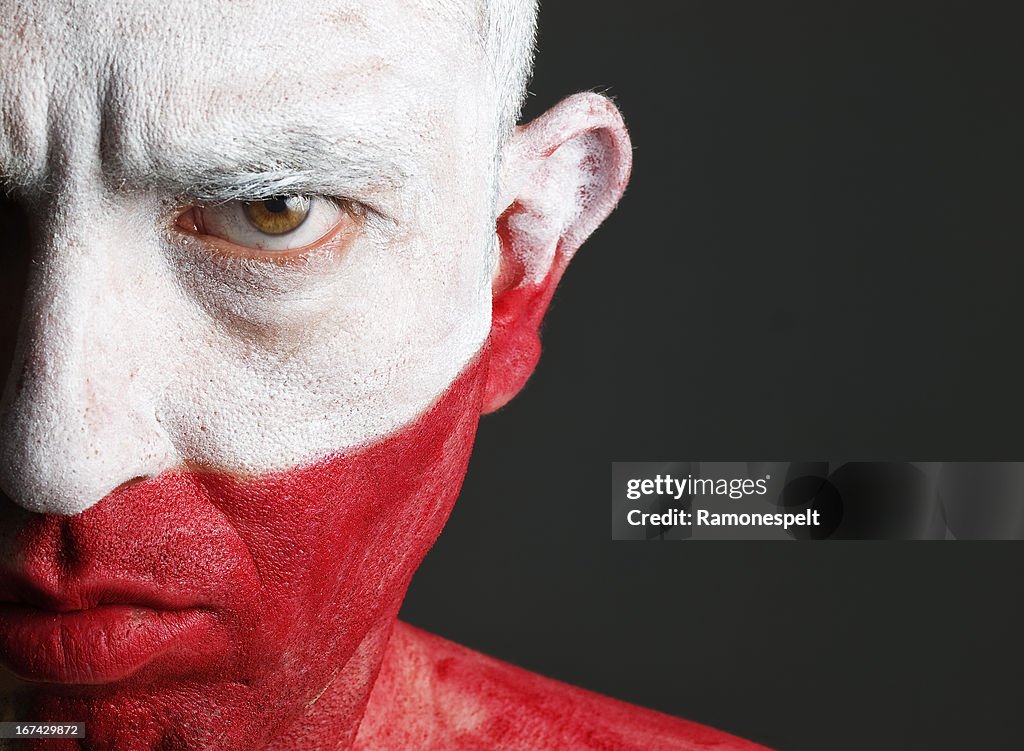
331,720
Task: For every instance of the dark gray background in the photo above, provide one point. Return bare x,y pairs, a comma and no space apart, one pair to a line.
819,255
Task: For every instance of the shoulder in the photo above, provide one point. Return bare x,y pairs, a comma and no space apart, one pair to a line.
433,694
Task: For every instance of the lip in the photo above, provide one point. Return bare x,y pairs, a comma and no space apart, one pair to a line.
92,636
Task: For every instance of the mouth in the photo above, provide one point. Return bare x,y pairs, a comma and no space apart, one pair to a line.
95,635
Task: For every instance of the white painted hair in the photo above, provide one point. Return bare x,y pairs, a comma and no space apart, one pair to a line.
509,31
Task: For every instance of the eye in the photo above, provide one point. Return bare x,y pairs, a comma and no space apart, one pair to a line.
278,216
272,226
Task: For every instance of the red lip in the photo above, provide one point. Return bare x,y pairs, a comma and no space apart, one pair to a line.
92,635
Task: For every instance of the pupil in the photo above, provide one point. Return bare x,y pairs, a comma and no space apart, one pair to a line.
276,205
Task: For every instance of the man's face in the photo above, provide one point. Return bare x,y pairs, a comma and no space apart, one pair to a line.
234,423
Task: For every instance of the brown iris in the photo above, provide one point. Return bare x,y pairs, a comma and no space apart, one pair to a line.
279,215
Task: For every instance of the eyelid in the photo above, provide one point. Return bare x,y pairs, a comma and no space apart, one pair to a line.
217,197
226,249
352,217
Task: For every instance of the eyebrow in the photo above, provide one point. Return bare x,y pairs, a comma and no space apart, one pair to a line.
260,166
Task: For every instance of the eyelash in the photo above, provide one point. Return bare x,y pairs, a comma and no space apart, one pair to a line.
353,212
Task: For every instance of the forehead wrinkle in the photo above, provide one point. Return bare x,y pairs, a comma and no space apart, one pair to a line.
191,147
25,103
341,129
161,117
23,146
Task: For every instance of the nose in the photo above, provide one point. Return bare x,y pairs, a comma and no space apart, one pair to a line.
75,422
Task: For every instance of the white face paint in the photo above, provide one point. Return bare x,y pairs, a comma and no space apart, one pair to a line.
145,346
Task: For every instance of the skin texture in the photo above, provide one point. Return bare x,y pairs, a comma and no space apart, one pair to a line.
298,575
222,465
144,347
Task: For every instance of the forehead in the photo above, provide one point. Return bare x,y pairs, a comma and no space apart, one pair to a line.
159,81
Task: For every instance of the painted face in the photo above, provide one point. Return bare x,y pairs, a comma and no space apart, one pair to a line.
248,367
272,278
160,329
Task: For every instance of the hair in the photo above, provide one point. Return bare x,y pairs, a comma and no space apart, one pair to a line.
509,35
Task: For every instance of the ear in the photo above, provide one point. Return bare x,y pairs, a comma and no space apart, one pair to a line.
562,175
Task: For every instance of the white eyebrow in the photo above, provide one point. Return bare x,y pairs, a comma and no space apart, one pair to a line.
259,166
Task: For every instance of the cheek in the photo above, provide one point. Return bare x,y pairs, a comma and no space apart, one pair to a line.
374,347
336,543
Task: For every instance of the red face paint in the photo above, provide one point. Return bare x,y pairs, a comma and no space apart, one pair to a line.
200,610
454,698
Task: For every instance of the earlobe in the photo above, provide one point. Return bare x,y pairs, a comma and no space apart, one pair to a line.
563,174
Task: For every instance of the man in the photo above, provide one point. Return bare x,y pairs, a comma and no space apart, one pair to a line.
282,258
